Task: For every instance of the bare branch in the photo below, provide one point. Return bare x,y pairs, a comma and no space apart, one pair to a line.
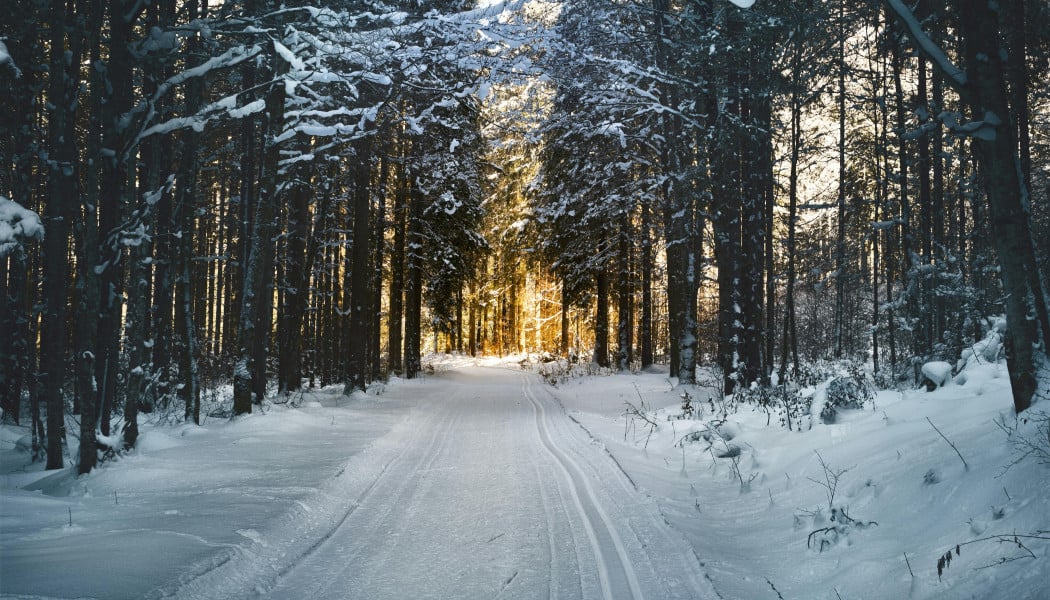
965,464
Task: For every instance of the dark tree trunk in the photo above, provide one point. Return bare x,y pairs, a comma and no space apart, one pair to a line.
601,320
1026,303
185,207
114,197
88,283
249,376
397,277
789,341
292,307
645,329
625,297
414,285
361,271
840,238
375,344
61,203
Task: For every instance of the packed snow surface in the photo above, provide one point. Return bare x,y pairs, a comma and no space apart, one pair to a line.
483,481
470,484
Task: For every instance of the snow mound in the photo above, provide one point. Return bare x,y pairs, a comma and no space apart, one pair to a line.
938,372
155,441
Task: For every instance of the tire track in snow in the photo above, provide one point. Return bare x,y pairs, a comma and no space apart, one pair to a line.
402,511
690,566
259,570
595,520
434,446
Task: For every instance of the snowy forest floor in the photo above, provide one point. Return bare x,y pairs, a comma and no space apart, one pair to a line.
481,481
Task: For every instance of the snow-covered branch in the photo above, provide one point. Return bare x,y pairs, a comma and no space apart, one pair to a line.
17,223
955,76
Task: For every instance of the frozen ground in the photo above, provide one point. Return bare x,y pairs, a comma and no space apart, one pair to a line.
485,482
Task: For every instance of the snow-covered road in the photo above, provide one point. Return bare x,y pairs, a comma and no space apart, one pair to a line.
487,490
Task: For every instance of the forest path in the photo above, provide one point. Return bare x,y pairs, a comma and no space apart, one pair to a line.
486,490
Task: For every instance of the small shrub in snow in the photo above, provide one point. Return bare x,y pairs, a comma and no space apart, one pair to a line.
1029,436
931,478
559,370
842,524
851,390
1014,548
687,405
840,529
635,414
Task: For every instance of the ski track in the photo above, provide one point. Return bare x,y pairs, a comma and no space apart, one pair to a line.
486,490
594,518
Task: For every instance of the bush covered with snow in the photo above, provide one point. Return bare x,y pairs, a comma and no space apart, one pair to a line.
850,390
17,224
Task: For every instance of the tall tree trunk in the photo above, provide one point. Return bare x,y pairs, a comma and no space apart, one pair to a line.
397,276
375,343
625,295
645,329
789,341
302,247
88,283
185,207
292,297
414,285
1008,200
157,156
601,319
114,198
909,266
840,239
675,214
249,376
62,199
924,301
361,270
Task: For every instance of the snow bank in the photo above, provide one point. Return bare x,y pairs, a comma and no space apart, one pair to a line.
753,499
186,499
